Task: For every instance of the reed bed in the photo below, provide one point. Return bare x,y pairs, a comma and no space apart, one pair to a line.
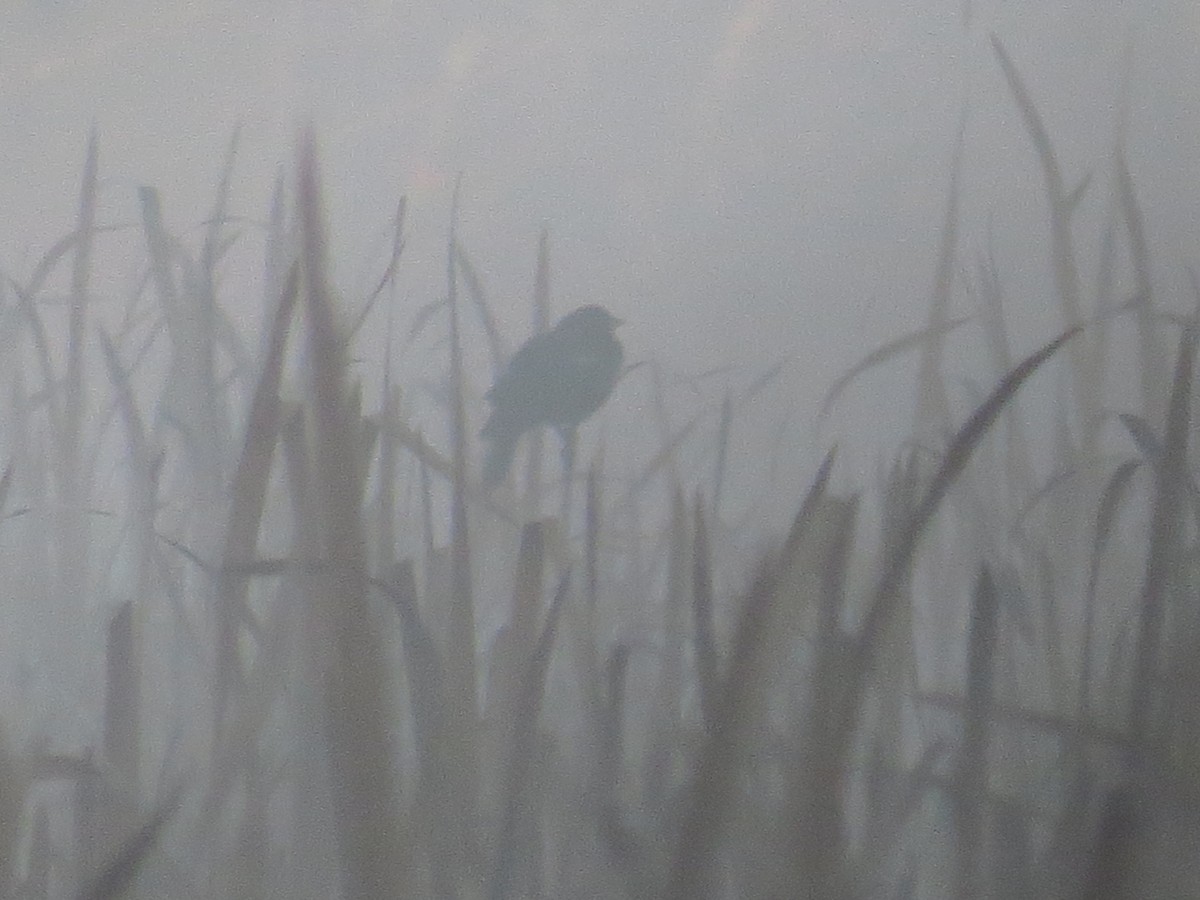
282,684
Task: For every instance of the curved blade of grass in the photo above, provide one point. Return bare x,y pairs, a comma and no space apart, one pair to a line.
60,248
1155,453
41,343
957,454
882,354
389,273
665,457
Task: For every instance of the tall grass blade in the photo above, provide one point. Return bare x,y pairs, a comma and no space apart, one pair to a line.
585,630
431,730
710,794
525,734
818,769
1017,459
14,783
1145,725
1062,254
612,728
1151,353
518,636
388,277
665,458
1110,504
73,548
122,702
248,492
933,406
669,687
703,602
115,879
497,346
371,836
41,344
1111,858
461,650
723,429
536,440
77,326
971,782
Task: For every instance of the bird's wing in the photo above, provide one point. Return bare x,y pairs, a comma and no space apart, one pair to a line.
535,361
557,378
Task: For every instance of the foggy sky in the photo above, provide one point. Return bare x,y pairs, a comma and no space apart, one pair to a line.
743,183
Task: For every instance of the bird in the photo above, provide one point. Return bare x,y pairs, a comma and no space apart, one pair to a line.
558,379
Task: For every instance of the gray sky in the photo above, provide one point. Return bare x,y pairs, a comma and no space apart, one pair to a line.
742,182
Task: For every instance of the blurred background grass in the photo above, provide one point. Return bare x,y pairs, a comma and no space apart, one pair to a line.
268,637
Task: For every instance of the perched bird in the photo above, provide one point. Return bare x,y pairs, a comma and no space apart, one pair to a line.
559,379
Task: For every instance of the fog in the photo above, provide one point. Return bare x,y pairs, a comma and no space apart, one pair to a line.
745,184
760,191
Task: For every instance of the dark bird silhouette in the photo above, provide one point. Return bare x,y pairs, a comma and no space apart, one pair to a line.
558,379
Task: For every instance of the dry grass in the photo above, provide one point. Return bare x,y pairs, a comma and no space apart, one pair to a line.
299,699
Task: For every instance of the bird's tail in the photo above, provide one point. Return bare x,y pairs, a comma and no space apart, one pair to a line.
497,460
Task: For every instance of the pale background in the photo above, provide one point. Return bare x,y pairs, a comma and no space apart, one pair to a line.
744,183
